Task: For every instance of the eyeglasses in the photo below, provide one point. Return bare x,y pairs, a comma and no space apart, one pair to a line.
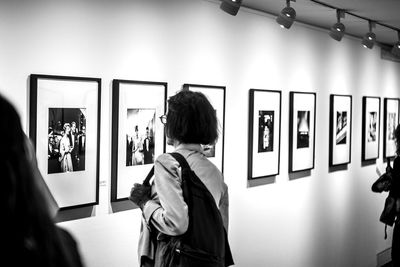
163,119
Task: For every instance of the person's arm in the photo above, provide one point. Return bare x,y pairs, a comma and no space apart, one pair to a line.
171,215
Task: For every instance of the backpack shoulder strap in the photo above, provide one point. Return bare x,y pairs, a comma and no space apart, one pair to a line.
181,159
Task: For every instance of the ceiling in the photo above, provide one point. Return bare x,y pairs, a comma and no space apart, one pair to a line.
383,12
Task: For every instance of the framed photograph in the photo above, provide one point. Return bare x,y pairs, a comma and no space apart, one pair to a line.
301,131
64,126
137,132
340,121
390,122
264,133
370,127
216,96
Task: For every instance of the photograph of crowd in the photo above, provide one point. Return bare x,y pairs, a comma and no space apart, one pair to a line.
66,140
341,127
265,131
140,136
303,128
372,126
392,119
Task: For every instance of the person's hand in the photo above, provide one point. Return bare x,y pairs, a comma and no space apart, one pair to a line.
140,194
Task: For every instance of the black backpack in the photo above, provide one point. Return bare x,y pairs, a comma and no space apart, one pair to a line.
205,243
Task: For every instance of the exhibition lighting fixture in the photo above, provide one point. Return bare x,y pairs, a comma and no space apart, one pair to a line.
231,6
287,16
337,29
396,47
369,38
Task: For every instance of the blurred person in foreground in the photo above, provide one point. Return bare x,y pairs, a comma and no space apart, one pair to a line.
29,233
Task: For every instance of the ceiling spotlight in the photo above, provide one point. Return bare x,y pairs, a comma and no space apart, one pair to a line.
396,47
287,16
370,37
338,29
231,6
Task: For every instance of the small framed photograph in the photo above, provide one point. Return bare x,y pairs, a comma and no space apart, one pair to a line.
301,131
390,122
216,96
340,129
137,132
64,126
370,127
264,133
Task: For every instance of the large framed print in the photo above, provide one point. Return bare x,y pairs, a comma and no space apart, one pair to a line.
216,96
301,131
264,133
137,132
370,127
340,129
390,122
64,126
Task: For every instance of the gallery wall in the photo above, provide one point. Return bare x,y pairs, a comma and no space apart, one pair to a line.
324,217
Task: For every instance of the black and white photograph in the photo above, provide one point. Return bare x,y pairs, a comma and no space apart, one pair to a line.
137,132
372,120
265,130
390,122
340,120
301,130
216,95
67,139
370,127
209,151
341,127
65,128
140,136
264,133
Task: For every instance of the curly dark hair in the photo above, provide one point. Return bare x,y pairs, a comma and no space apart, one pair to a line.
191,119
397,139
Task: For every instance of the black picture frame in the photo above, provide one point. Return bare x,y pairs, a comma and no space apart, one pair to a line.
264,133
391,119
302,142
371,108
141,103
216,96
55,97
340,135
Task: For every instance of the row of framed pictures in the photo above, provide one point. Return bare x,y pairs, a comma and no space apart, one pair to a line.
265,133
65,129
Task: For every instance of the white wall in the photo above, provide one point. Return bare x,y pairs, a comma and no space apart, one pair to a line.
326,219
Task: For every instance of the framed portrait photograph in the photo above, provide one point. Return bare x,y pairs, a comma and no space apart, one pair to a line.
390,122
64,126
371,107
216,96
340,127
264,133
301,131
137,132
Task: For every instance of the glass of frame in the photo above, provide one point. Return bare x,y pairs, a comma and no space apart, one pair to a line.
301,131
390,122
216,96
137,132
64,126
264,133
370,127
340,130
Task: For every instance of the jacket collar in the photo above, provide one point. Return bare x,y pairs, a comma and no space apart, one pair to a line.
190,147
